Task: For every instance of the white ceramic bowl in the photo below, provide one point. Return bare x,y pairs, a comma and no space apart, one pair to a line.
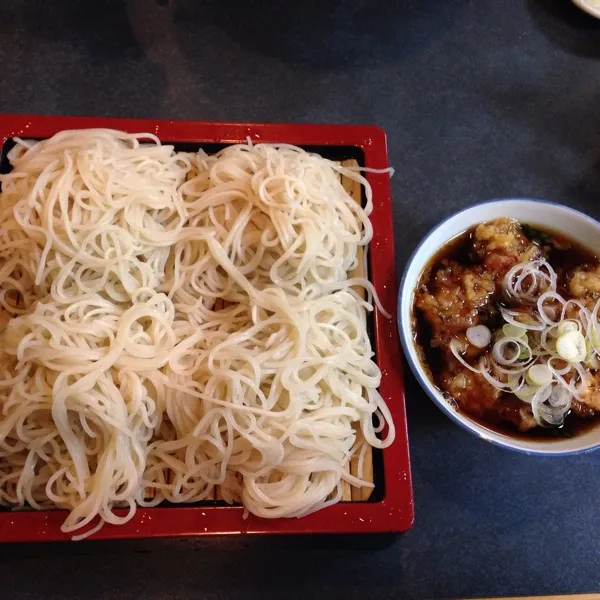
591,7
572,224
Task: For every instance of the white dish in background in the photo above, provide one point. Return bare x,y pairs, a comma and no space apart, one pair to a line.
592,7
572,224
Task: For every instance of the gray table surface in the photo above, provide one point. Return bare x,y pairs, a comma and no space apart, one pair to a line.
480,99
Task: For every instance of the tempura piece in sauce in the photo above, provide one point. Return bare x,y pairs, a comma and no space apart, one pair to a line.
483,399
590,396
584,284
454,300
501,244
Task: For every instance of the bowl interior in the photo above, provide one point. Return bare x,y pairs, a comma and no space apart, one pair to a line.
572,224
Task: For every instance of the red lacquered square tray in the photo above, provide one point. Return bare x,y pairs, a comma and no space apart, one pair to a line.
394,511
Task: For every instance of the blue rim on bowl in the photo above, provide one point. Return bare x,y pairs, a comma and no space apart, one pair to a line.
540,208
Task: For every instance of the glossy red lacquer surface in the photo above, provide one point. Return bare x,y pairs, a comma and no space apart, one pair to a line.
395,512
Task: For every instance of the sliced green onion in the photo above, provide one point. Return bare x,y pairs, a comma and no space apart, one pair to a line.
591,359
479,335
571,346
595,338
539,375
566,327
506,351
457,347
526,392
560,397
525,354
544,357
514,331
510,316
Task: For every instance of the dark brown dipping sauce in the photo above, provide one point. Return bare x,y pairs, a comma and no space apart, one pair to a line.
462,287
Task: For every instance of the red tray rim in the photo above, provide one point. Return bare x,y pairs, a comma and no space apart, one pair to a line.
395,512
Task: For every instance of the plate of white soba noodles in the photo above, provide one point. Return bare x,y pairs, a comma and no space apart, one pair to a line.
184,327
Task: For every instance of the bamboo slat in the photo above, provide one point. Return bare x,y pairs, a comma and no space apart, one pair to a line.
354,494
